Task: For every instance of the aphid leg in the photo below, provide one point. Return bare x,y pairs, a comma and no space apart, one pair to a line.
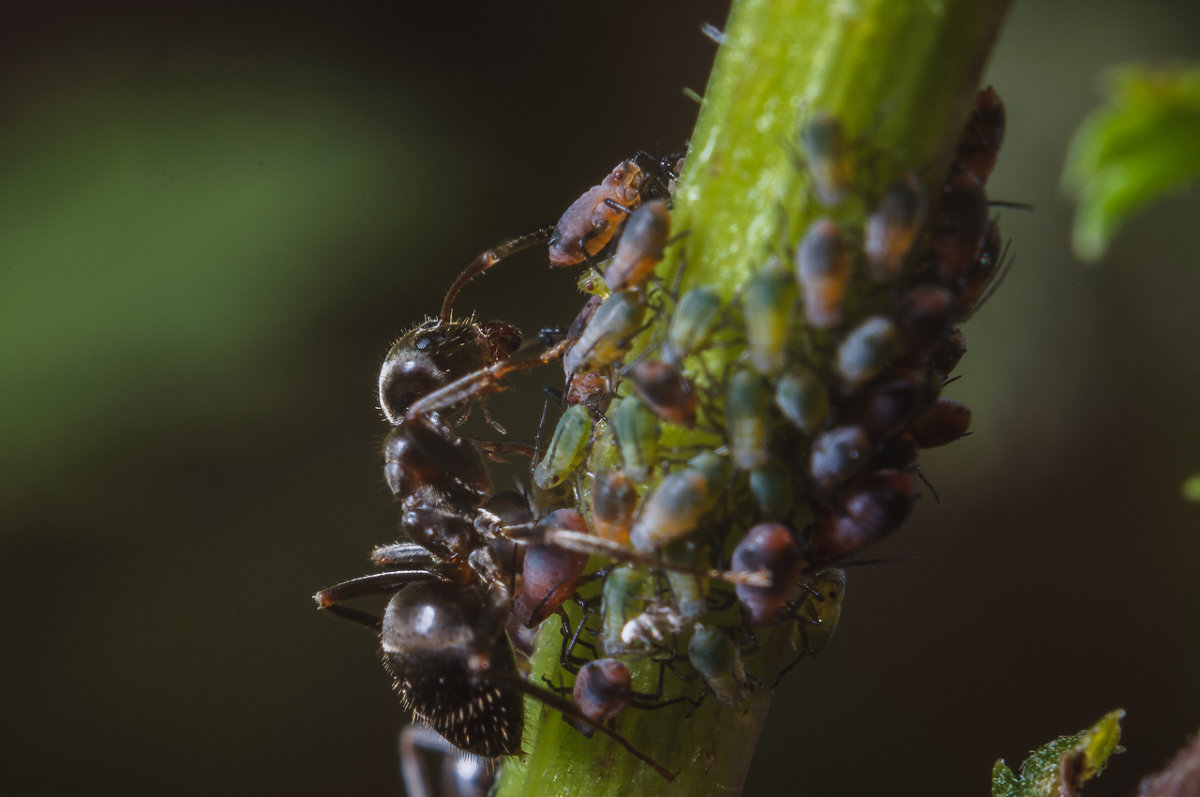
568,708
488,259
372,584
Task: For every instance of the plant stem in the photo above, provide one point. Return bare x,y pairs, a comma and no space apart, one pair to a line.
900,75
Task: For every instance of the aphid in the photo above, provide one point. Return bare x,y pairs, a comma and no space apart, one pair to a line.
872,507
892,227
567,448
608,334
747,419
838,454
593,389
640,247
772,546
866,351
979,146
592,283
958,228
665,390
823,265
637,432
719,663
767,302
692,324
689,589
819,612
680,501
625,590
923,319
946,421
771,489
603,688
803,399
651,628
888,405
614,500
550,574
947,356
830,158
592,220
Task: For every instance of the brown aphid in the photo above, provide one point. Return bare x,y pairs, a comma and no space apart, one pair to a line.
603,688
891,403
923,319
950,353
665,390
893,226
592,220
640,248
614,501
772,546
943,423
823,265
549,574
983,274
958,230
979,146
872,507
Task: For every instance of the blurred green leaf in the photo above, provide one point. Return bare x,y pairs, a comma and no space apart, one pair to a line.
1059,768
1143,143
1191,488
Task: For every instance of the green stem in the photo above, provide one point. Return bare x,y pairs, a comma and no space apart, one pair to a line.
900,75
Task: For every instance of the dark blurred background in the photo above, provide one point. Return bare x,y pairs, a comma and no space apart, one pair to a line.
215,217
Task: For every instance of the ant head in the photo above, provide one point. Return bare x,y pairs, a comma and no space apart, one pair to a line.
429,357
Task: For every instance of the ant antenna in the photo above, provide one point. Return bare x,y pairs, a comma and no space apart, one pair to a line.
488,259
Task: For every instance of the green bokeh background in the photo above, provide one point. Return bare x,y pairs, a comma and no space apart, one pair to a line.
213,220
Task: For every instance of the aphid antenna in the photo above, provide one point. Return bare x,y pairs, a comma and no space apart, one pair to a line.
1004,266
487,260
568,708
1001,203
937,499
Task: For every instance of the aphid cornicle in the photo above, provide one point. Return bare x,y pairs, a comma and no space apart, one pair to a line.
823,265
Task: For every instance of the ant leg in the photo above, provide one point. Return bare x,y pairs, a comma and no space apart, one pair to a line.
485,380
431,766
495,451
488,259
372,584
401,553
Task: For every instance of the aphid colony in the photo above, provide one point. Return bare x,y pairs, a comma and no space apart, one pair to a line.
809,392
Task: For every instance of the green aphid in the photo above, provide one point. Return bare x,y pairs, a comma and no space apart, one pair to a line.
689,589
769,304
747,419
692,324
830,158
803,399
679,503
567,449
719,663
818,616
625,591
636,428
608,334
772,490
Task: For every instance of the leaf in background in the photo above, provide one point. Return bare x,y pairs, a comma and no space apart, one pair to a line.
1059,768
1191,488
1142,144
